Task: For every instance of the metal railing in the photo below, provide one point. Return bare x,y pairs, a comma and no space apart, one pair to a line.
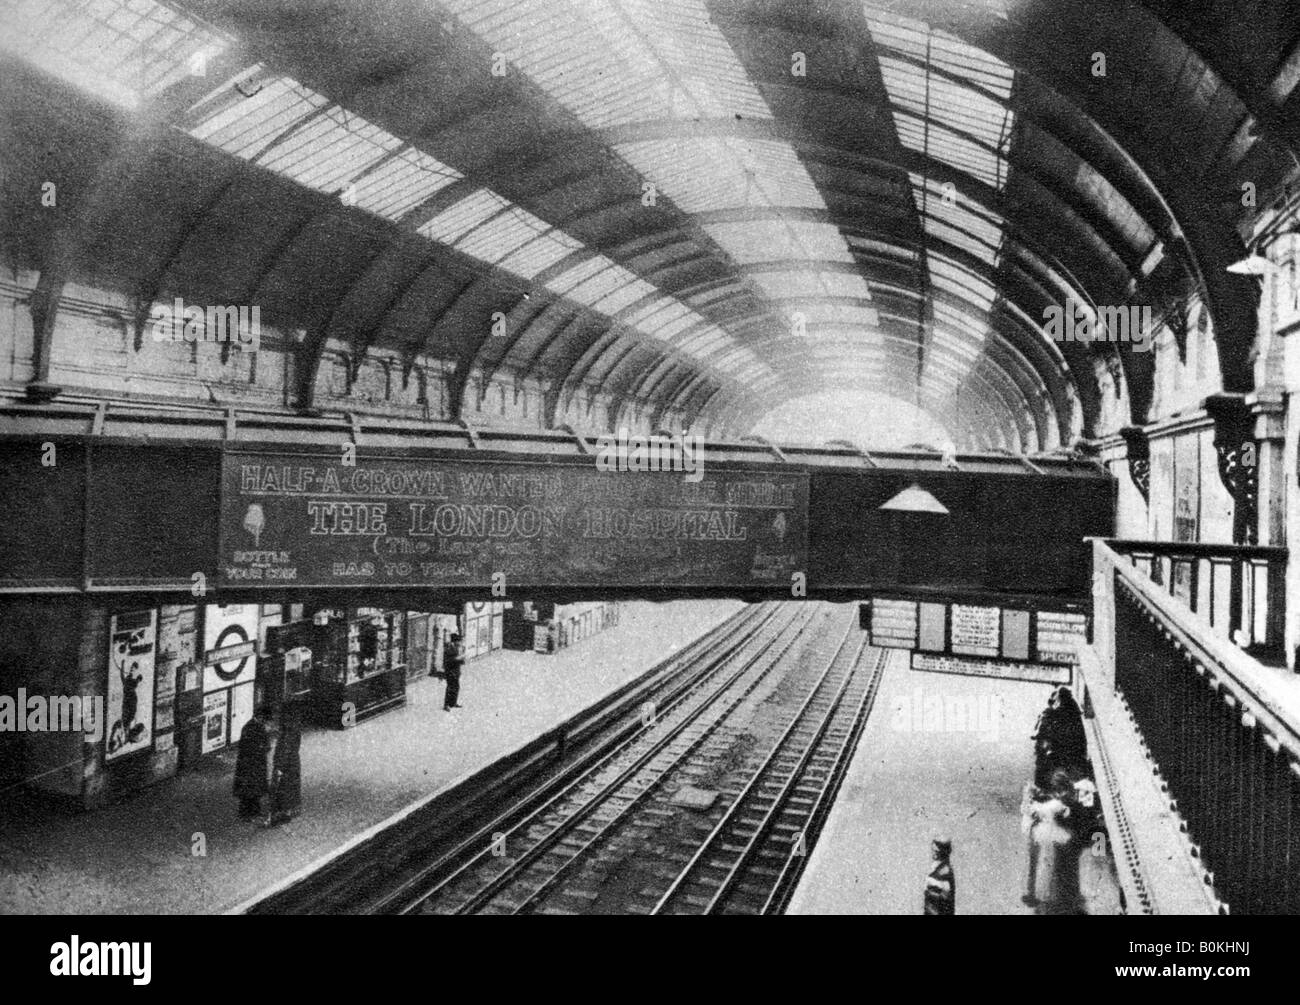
1214,719
1239,590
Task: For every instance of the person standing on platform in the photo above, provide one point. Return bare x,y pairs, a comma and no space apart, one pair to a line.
1056,848
940,884
1060,740
286,770
251,764
453,660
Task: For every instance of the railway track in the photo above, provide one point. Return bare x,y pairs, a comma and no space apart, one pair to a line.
700,788
563,853
750,860
377,871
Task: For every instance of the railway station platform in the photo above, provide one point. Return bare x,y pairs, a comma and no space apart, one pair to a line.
139,855
915,775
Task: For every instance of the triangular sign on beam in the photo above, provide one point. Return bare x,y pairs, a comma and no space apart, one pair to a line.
915,499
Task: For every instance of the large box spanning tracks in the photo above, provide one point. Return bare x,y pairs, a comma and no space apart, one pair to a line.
311,520
160,514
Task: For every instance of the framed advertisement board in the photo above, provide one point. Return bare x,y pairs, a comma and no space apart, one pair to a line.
310,520
132,653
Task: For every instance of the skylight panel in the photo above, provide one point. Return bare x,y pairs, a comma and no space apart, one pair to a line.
124,50
673,327
949,100
903,34
790,284
576,274
962,343
248,124
329,150
947,275
823,241
612,62
401,183
841,314
959,222
706,341
967,61
753,241
501,234
967,110
701,173
615,62
846,284
668,307
812,284
541,253
959,238
636,290
950,148
464,215
591,290
970,328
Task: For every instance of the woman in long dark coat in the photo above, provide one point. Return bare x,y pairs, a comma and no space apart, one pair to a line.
251,764
1059,739
286,771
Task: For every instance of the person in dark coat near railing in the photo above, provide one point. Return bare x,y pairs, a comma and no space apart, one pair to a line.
1060,742
286,770
251,774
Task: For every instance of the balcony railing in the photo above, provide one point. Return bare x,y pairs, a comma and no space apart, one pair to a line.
1220,726
1239,591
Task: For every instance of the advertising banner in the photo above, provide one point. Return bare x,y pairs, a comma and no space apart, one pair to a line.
310,520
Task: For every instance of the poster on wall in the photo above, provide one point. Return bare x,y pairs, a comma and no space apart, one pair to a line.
1162,487
229,645
214,720
1187,509
131,654
1187,485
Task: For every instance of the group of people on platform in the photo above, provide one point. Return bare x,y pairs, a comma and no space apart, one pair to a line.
1060,814
268,768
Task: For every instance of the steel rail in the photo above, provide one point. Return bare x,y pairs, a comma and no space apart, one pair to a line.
515,868
545,888
687,676
779,895
769,766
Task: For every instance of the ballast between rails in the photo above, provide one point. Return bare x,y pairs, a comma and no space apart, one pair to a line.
346,881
